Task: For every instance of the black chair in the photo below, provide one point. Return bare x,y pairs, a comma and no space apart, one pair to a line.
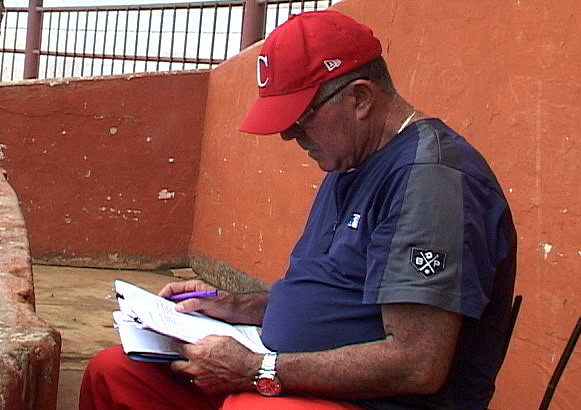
513,316
561,366
567,352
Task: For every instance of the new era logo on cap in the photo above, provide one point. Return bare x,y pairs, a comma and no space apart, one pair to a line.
332,64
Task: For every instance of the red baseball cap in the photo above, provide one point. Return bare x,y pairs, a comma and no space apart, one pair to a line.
297,57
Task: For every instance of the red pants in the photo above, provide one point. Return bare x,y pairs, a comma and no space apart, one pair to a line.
113,381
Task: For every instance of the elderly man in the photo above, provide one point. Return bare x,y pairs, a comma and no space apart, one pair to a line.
398,293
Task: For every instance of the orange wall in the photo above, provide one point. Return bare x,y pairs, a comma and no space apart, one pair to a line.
105,168
505,74
253,192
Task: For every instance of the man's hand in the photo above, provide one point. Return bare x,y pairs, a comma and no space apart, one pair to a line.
219,364
175,288
247,308
220,307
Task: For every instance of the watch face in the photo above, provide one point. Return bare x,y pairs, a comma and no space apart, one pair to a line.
268,387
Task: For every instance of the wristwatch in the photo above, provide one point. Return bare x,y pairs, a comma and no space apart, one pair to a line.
266,381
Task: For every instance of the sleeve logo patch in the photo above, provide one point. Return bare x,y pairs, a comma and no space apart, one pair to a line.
428,262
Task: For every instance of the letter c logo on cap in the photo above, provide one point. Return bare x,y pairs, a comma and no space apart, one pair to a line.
263,60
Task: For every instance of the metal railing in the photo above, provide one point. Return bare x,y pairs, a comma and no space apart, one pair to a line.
89,41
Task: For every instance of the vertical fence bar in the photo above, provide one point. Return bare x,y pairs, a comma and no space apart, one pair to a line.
105,42
85,43
48,44
253,22
14,47
2,13
125,41
136,38
227,33
173,33
148,39
263,24
212,44
3,47
58,33
75,44
186,37
159,40
276,14
66,42
199,38
95,40
33,38
115,41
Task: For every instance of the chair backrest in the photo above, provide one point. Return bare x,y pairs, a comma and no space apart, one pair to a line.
513,316
561,366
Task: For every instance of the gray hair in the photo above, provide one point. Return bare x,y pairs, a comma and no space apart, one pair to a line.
376,71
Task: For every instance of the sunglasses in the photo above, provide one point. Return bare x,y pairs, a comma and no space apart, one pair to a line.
298,128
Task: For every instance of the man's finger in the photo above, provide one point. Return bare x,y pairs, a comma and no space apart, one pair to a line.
172,288
188,305
180,365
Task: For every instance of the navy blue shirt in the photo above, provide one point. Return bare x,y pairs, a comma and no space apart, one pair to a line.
422,220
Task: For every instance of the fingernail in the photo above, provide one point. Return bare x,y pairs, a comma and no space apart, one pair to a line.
179,308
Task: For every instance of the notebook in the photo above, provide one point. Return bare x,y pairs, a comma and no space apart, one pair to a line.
151,330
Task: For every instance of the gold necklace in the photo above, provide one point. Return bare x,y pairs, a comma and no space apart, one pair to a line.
406,122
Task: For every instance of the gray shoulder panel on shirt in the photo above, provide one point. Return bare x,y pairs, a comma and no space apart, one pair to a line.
430,224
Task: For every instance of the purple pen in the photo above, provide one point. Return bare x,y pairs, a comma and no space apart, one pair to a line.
188,295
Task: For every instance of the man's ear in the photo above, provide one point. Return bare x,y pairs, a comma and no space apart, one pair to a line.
364,96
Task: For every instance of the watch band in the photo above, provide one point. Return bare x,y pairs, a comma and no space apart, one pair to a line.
266,381
268,364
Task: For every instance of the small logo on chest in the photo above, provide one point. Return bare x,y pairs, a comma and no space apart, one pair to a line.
428,262
353,222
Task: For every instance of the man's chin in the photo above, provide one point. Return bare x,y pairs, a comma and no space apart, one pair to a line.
326,167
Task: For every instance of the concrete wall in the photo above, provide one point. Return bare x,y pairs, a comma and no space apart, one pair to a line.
507,76
29,348
105,168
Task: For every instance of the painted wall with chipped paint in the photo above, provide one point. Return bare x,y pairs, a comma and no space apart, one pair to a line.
105,168
505,74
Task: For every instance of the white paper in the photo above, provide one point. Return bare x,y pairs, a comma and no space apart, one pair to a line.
159,314
136,339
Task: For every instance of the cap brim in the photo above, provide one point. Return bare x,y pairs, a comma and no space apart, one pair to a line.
273,114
